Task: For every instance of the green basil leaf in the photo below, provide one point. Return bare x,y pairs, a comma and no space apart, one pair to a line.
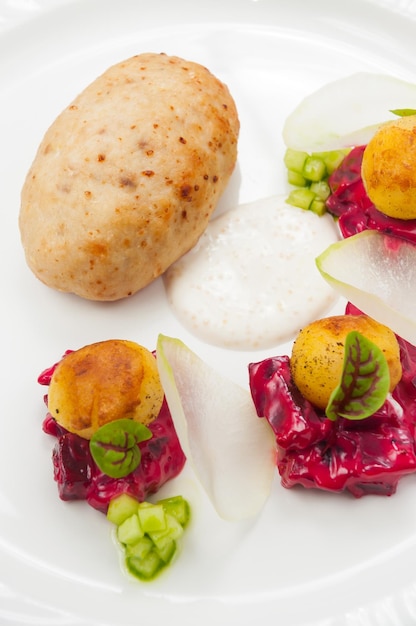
365,380
403,112
114,446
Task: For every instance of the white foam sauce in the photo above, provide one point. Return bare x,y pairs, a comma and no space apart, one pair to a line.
251,281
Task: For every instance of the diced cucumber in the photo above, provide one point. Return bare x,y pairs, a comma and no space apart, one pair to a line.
301,198
141,548
314,169
318,207
166,550
173,530
121,507
145,505
296,179
295,160
178,507
152,518
130,531
149,533
332,158
145,568
308,174
321,189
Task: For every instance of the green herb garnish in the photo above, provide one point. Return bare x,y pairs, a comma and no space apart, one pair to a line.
114,446
365,380
403,112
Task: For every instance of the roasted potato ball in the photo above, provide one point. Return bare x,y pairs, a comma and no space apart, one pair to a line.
389,168
102,382
318,354
126,178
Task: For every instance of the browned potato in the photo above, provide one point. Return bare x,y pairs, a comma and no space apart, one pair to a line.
103,382
389,168
318,354
127,177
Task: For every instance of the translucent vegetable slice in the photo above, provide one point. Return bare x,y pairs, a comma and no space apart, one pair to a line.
232,451
347,112
377,273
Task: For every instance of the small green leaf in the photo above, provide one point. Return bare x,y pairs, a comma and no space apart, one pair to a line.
365,380
403,112
114,446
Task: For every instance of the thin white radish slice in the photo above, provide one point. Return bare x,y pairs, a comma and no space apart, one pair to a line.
231,449
377,273
346,112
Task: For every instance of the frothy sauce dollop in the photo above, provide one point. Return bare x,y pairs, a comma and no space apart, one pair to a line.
251,281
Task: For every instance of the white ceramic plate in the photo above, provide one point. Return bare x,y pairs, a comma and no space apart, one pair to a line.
310,558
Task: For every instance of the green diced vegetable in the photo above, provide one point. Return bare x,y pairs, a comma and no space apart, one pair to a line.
332,158
321,189
130,531
177,507
314,169
173,530
146,568
140,549
294,160
301,198
166,550
308,174
152,518
121,508
296,179
318,207
148,533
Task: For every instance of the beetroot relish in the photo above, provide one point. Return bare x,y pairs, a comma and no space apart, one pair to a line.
361,457
349,202
79,478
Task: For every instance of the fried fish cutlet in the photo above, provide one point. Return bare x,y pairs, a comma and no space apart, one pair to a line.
126,178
